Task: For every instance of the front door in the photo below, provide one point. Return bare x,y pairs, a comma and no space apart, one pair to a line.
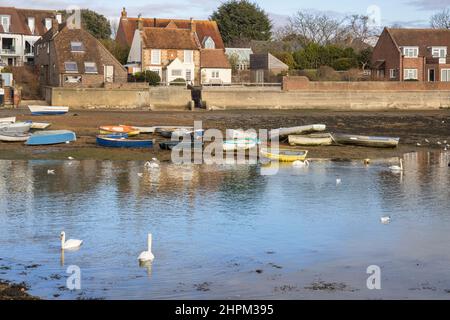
109,74
431,75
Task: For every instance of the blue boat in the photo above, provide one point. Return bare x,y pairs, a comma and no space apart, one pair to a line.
51,137
122,141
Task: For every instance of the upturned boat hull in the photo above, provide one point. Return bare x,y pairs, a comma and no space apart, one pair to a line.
366,141
112,141
51,137
311,140
48,110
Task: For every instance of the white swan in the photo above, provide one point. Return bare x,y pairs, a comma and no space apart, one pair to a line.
300,164
338,181
385,220
397,168
69,244
152,164
147,256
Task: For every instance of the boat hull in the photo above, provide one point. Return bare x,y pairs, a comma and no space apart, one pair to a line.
51,137
284,132
13,137
111,142
48,110
312,140
366,141
239,145
8,120
285,155
18,127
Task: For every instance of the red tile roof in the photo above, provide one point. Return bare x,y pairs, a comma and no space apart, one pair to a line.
214,58
19,20
168,38
204,28
422,38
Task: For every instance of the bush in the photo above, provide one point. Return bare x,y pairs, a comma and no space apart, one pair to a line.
325,73
178,82
344,64
151,77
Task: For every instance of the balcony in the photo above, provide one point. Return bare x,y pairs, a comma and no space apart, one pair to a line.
433,60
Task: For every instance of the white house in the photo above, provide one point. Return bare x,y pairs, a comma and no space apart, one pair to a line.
19,30
215,67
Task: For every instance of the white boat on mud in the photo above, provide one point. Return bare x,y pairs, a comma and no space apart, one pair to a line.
239,144
8,120
18,127
14,136
40,125
285,132
48,110
318,139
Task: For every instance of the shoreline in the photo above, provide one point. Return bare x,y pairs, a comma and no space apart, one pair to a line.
411,126
13,291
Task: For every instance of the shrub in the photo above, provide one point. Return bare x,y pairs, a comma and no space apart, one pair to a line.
178,82
344,64
325,73
151,77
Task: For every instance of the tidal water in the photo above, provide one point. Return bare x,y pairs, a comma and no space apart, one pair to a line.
228,232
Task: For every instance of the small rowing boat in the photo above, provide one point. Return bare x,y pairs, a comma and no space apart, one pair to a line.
48,110
13,137
51,137
284,132
366,141
40,125
311,140
239,144
17,127
122,141
144,130
108,130
8,120
169,145
284,155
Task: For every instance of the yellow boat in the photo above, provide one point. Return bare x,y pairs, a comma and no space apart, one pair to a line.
284,155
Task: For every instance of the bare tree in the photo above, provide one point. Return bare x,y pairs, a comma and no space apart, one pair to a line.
441,20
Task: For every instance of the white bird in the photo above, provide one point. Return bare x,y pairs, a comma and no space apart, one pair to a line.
338,181
70,244
301,164
419,145
140,175
147,256
439,143
397,168
152,164
427,141
385,220
71,158
50,171
445,141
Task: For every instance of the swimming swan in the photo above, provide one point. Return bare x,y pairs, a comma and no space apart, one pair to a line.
69,244
397,168
301,164
147,256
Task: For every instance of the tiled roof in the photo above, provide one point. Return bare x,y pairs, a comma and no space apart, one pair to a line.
204,28
214,58
423,38
19,20
168,38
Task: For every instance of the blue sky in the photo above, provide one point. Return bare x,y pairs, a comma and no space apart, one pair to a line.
409,13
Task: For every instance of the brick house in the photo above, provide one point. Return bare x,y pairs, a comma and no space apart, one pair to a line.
67,57
174,48
412,55
19,31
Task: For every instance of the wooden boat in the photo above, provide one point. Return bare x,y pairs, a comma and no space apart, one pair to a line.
108,130
40,125
121,141
284,132
145,130
48,110
17,127
8,120
239,144
284,155
158,129
311,140
14,137
51,137
366,141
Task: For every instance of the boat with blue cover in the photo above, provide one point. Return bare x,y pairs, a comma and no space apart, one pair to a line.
48,110
51,137
122,141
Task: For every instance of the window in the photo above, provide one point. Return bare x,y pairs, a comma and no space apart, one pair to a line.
90,67
215,74
209,43
188,75
48,23
71,67
31,24
72,79
411,52
6,22
393,73
188,56
156,57
76,46
439,52
445,75
177,73
410,74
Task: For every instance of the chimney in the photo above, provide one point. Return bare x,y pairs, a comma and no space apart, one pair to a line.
154,22
140,23
192,25
124,14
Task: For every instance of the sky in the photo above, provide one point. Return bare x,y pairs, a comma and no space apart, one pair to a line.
408,13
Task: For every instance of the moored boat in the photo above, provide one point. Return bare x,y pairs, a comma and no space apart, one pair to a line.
108,130
8,120
284,155
18,127
51,137
366,141
311,140
48,110
14,136
239,144
284,132
121,141
169,145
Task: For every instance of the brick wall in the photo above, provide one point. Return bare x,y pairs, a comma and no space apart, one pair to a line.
388,51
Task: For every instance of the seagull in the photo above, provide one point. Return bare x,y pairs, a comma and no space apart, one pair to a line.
385,220
419,145
70,244
147,256
50,171
71,158
338,181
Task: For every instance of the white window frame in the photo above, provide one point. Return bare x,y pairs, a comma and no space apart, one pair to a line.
75,44
215,74
393,73
155,56
445,75
32,24
180,75
439,52
48,23
410,74
5,21
188,75
209,43
188,54
91,64
70,71
411,52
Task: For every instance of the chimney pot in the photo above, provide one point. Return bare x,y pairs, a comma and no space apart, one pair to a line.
192,25
124,13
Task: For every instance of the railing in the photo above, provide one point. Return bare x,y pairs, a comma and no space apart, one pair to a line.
9,51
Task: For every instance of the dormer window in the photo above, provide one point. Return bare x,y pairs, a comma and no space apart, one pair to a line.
31,24
5,22
76,46
209,43
411,52
439,52
48,23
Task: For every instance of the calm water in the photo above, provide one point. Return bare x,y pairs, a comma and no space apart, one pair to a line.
227,231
